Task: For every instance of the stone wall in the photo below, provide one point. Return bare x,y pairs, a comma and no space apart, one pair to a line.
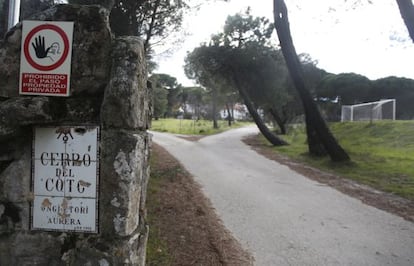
108,88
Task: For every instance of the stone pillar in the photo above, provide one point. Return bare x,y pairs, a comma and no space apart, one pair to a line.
108,88
125,146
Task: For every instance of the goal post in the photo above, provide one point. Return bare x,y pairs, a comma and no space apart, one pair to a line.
379,110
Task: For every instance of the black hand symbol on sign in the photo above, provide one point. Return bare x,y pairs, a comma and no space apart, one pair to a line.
39,47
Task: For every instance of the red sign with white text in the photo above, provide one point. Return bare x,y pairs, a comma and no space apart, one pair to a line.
46,58
44,83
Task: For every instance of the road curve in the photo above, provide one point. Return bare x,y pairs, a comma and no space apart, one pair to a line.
284,218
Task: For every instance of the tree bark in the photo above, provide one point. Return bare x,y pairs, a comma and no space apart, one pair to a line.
272,138
229,116
407,13
215,124
278,120
320,139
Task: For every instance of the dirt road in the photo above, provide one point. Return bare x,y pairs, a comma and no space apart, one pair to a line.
284,218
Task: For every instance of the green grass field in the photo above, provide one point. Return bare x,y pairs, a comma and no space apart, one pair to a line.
382,153
192,127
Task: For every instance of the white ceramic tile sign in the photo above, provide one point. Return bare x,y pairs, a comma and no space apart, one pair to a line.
45,61
65,178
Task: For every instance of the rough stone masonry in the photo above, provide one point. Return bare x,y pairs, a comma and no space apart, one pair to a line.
109,89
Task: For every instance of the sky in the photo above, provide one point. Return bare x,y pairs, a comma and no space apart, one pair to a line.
360,36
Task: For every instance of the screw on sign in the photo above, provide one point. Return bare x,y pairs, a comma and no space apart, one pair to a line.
46,58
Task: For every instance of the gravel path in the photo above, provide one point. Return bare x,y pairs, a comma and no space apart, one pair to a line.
284,218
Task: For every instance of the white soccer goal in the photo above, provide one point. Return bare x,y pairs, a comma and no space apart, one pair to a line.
383,109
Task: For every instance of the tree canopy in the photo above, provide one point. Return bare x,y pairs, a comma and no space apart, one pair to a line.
350,88
241,59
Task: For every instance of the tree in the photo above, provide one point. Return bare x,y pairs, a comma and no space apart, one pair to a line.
289,106
401,89
232,67
407,13
345,88
236,74
250,38
172,89
350,88
286,112
195,98
320,139
265,81
159,95
152,20
276,96
250,66
241,29
197,70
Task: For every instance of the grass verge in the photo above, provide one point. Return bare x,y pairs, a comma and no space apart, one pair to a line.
157,248
192,127
382,154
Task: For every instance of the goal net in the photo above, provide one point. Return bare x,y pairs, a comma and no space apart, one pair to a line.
383,109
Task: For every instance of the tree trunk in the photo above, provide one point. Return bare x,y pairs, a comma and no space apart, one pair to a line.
320,139
278,120
133,23
272,138
151,26
229,116
215,124
407,13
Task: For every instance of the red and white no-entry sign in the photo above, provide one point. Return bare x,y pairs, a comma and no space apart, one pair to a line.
46,58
